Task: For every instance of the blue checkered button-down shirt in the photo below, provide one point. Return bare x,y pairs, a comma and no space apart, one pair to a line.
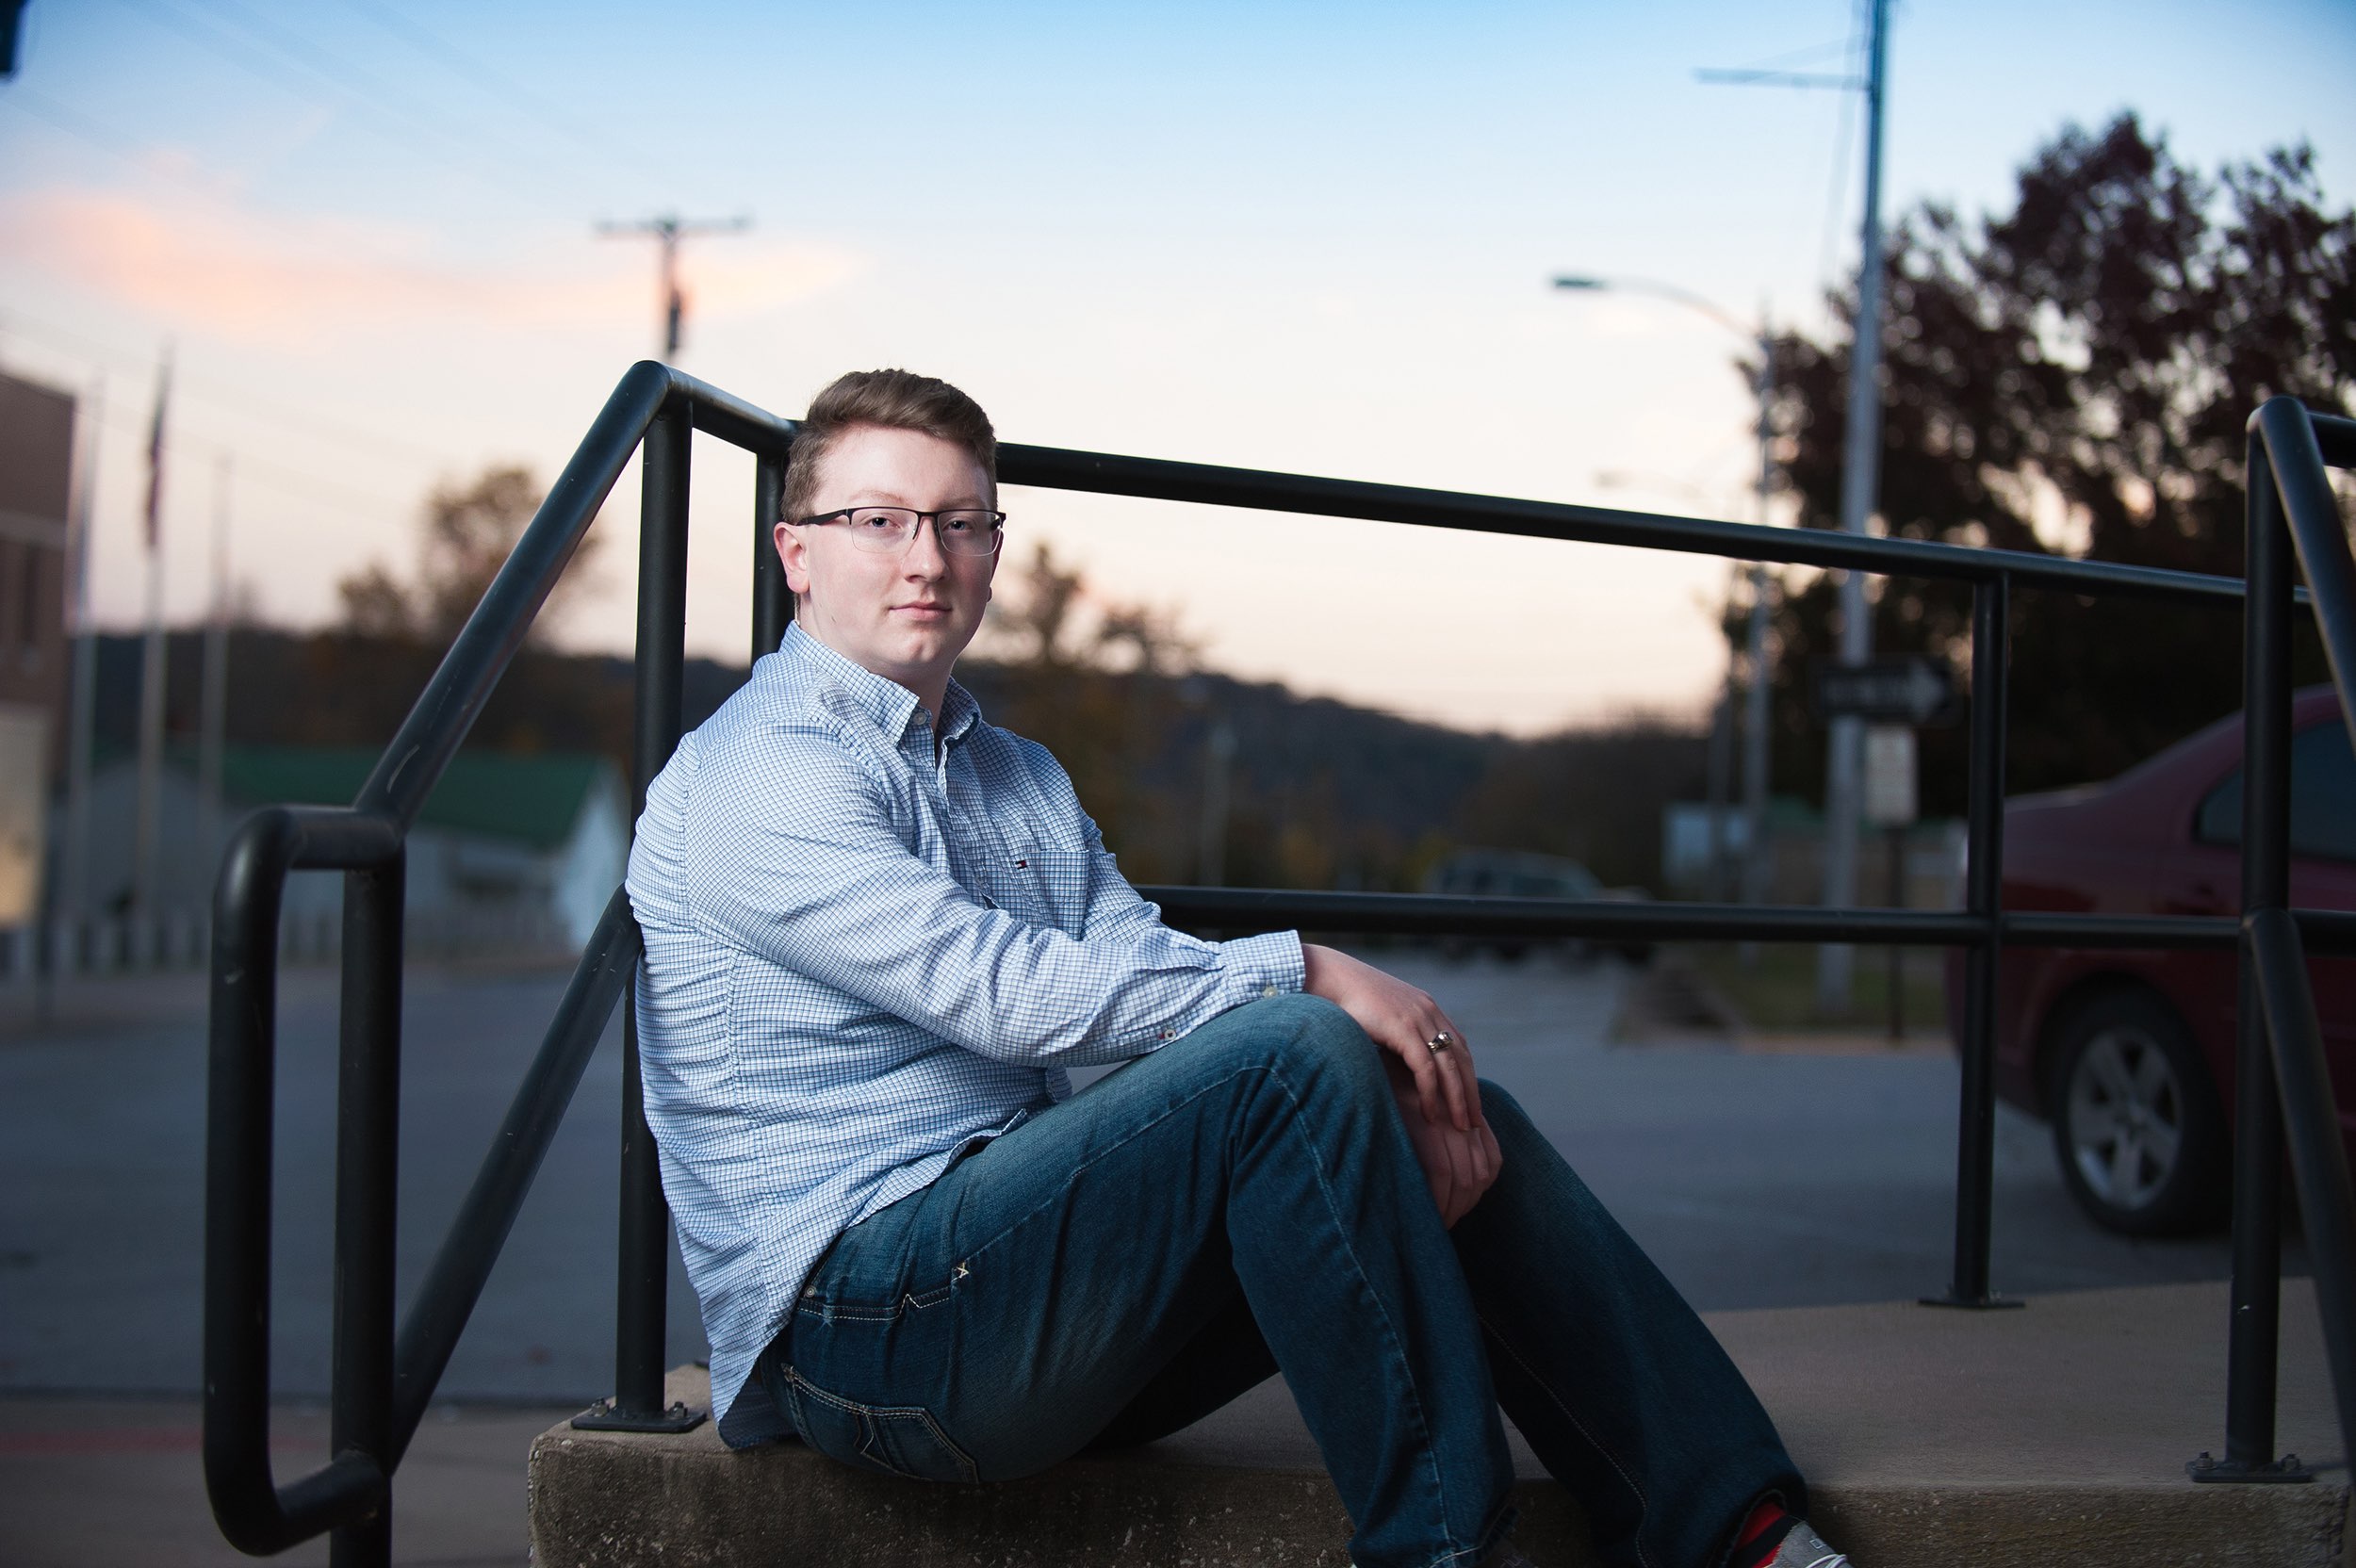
862,954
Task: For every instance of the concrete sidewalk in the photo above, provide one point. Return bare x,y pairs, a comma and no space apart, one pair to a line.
119,1484
2054,1434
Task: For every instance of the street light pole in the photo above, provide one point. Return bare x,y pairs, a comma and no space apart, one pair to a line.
1755,862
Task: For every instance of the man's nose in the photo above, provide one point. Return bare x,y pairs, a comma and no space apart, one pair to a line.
925,557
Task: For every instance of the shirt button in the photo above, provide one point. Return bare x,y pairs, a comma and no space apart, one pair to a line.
1166,1035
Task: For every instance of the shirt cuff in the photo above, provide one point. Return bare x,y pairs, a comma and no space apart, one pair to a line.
1268,965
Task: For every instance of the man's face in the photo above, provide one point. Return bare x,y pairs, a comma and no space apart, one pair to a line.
904,615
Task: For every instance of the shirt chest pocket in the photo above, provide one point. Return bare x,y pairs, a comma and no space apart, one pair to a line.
1049,887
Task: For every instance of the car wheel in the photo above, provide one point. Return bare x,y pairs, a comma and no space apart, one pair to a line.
2137,1125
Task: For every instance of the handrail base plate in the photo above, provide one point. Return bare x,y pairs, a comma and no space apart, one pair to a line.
603,1417
2285,1471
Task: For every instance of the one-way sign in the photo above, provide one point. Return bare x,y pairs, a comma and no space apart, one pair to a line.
1909,689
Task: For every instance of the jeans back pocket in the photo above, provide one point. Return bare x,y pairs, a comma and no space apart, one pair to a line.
895,1440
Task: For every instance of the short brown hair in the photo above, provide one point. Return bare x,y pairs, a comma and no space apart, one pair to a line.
894,400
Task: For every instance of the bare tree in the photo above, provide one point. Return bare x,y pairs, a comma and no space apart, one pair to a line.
467,532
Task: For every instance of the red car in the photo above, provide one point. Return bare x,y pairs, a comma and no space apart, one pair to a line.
2130,1055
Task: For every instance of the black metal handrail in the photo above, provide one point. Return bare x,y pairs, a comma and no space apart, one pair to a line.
2279,1074
1449,914
383,1378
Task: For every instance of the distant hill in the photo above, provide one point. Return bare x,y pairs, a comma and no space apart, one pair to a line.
1321,793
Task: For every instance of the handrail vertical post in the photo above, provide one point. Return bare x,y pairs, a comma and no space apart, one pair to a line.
368,1140
643,1287
240,1099
2319,1159
1975,1126
772,602
2255,1325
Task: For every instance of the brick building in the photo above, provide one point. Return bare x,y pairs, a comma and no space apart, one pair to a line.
36,487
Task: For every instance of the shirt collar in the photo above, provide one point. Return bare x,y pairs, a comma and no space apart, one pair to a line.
890,704
959,713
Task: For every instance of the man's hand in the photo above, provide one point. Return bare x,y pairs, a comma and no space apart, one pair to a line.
1458,1166
1404,1021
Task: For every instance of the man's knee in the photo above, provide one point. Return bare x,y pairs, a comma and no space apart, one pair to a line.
1300,1036
1497,1103
1508,1121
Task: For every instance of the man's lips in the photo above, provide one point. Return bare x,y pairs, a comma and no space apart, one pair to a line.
923,611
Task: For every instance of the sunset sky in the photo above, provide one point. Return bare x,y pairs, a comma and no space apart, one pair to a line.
1312,236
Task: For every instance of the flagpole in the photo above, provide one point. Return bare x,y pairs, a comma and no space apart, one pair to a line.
214,725
146,884
83,700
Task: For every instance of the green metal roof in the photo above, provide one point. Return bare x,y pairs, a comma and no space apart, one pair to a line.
534,799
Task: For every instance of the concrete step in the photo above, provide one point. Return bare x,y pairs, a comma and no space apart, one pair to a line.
1933,1439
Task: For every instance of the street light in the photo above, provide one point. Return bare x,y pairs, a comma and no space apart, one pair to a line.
1755,868
1660,290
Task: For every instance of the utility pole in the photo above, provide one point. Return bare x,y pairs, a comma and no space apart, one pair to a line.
1757,863
668,230
1719,771
1860,478
147,879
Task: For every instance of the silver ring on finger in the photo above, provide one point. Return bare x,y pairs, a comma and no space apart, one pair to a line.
1440,1041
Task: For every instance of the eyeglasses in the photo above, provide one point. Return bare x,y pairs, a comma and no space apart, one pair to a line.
886,529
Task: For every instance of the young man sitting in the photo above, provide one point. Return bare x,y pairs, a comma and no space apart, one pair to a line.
880,930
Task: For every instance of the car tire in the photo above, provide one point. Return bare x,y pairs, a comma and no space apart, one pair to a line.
2136,1126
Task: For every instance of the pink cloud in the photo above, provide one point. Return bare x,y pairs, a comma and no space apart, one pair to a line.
294,280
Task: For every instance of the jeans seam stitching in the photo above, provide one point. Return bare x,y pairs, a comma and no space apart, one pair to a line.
1644,1504
1391,1335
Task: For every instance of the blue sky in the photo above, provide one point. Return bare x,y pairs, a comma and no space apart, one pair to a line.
1312,237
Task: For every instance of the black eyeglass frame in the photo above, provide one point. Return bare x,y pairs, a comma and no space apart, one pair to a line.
997,524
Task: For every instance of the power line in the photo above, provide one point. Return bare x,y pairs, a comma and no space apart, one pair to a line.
505,90
333,69
294,480
76,123
131,423
270,69
1838,183
243,401
1811,53
1780,78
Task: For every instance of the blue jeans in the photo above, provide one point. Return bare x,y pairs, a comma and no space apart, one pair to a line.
1245,1200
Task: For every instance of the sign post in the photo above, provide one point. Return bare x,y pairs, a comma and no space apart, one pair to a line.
1895,694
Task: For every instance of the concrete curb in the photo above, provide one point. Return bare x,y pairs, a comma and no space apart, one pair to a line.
1933,1439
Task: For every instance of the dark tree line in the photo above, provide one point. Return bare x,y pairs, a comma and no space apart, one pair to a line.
1322,794
2073,376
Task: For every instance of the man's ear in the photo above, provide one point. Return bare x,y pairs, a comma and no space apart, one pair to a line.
794,554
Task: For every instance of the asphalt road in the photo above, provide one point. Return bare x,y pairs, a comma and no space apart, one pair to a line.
1755,1180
